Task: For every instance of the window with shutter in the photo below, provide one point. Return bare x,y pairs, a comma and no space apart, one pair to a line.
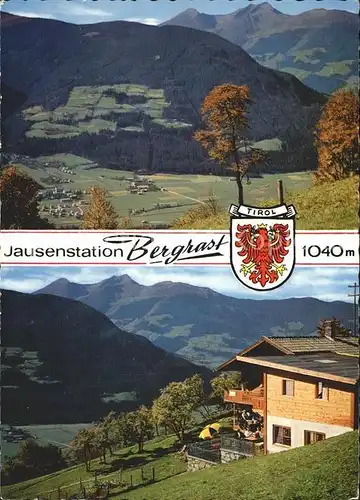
322,391
288,387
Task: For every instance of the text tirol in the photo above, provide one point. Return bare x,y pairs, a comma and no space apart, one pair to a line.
261,212
139,247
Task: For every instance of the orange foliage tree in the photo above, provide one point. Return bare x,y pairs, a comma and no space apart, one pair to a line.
337,137
19,202
100,214
224,112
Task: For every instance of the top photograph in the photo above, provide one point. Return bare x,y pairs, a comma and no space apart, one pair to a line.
161,115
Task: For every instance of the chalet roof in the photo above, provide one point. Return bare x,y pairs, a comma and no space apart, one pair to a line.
328,366
305,344
341,345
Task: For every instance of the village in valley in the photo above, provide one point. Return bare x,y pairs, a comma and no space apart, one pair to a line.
71,203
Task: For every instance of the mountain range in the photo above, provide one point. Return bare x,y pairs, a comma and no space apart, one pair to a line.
64,362
128,95
198,323
318,46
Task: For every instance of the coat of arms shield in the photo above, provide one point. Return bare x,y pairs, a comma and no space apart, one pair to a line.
262,242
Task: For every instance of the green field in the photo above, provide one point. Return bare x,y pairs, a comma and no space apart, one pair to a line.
59,435
342,68
96,109
181,191
326,470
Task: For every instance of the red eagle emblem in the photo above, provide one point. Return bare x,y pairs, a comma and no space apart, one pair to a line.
264,248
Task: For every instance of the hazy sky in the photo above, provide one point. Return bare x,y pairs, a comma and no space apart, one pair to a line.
153,12
323,283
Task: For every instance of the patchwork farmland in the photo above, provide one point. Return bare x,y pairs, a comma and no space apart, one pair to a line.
96,109
171,197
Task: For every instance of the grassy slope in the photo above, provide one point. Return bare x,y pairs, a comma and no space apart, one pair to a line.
325,471
329,206
158,453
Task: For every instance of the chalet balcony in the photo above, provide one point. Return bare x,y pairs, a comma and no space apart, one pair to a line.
254,398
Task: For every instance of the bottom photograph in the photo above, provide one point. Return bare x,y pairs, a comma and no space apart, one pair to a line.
141,383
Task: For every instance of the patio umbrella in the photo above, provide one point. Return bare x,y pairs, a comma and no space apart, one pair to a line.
209,431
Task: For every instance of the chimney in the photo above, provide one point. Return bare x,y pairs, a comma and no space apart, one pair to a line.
332,328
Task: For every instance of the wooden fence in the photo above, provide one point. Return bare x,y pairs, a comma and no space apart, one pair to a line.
97,489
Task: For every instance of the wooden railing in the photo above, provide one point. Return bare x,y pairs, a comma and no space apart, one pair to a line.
253,398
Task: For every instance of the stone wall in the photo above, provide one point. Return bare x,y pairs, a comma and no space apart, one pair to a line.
230,455
194,464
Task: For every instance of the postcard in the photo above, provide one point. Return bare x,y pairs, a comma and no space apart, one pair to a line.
179,250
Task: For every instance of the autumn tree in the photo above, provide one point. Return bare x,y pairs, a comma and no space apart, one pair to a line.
176,403
100,214
225,135
19,202
337,137
126,223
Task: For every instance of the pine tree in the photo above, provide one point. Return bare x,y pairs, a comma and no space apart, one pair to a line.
100,214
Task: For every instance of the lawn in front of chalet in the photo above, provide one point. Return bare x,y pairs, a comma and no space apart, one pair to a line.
327,470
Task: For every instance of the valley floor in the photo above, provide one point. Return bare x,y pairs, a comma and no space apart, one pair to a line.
176,193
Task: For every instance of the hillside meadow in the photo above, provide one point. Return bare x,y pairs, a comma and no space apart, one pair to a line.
326,470
328,206
158,453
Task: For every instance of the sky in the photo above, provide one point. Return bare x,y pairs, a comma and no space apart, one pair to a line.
327,284
153,12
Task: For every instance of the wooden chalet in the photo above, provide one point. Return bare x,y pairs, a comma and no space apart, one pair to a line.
304,388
